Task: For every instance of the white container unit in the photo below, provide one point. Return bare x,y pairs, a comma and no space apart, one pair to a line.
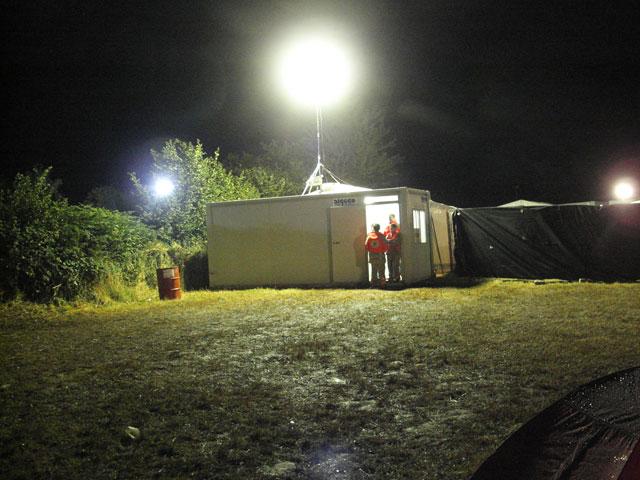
313,240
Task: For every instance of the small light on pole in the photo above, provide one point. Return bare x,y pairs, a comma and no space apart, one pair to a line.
624,190
163,187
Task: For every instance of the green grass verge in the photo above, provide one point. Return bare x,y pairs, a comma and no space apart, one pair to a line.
359,384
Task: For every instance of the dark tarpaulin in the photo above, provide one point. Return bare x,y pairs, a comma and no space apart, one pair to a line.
592,434
560,241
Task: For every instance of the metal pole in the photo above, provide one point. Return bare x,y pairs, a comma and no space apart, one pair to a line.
318,170
318,133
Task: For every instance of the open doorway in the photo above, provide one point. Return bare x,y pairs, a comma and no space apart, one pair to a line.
378,210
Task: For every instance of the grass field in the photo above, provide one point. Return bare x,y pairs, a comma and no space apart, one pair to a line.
296,384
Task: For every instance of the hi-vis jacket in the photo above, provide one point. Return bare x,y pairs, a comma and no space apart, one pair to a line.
376,243
394,241
387,229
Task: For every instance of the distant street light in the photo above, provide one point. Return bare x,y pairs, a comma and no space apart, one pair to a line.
624,190
316,72
163,187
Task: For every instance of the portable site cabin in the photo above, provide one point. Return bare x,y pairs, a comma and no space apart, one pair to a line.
313,240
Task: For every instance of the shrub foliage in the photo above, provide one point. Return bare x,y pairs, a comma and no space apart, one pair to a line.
53,250
199,178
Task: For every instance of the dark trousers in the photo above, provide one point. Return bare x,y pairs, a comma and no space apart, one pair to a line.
377,268
393,264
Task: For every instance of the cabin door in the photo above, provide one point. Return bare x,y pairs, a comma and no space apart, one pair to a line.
348,232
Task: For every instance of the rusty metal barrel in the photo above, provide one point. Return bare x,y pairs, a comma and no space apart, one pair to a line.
169,283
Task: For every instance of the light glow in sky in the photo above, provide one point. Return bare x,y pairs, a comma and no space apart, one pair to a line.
315,71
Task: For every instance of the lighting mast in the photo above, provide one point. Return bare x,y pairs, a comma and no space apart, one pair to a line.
316,72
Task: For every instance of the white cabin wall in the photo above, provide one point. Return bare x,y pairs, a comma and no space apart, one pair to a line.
416,257
287,241
269,244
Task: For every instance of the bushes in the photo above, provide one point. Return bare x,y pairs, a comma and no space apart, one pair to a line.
32,231
196,270
193,263
53,250
199,178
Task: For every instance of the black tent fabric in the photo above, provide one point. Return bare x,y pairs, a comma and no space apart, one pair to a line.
591,434
560,241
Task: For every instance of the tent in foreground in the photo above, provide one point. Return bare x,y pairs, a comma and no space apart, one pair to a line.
591,434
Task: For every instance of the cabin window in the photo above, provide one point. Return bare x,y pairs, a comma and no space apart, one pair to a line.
419,226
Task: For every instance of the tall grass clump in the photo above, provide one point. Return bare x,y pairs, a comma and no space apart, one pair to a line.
55,251
193,262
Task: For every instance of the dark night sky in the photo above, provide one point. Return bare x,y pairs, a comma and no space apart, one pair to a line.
488,102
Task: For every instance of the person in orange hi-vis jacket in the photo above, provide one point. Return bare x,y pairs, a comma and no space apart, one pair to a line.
394,247
376,246
392,221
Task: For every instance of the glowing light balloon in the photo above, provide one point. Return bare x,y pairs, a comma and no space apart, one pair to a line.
315,71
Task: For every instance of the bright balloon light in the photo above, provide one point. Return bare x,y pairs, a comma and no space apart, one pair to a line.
315,72
624,190
163,187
